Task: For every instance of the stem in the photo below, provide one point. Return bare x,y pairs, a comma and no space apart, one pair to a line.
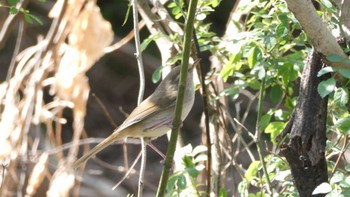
258,135
141,91
180,97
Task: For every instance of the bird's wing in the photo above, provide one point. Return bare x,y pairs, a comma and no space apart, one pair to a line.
144,110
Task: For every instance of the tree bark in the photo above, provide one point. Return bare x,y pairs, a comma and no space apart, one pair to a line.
305,151
317,32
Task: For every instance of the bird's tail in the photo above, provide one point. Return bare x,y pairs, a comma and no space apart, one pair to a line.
99,147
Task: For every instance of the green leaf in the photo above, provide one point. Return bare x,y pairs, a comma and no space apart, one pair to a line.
326,87
12,2
281,115
250,174
13,10
231,66
222,192
325,70
187,161
30,17
282,30
341,96
347,167
337,177
192,172
27,18
254,84
283,18
261,73
171,183
181,182
147,41
335,58
156,75
343,124
127,14
253,56
226,72
290,102
264,121
260,194
276,93
275,128
345,73
327,4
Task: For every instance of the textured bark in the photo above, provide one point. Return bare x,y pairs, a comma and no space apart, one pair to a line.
305,151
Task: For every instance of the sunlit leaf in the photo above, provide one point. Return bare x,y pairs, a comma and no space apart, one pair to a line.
322,188
156,75
261,73
337,177
326,87
327,4
343,124
252,170
253,55
325,70
199,149
222,192
275,128
341,96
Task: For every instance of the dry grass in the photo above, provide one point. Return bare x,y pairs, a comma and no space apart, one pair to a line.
58,62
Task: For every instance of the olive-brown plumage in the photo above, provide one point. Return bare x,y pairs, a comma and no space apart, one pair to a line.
153,117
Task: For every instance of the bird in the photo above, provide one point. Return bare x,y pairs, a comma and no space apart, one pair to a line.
153,117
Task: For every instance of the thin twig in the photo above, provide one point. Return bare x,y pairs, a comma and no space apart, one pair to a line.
129,171
206,106
258,136
344,148
125,40
10,20
138,55
104,109
16,51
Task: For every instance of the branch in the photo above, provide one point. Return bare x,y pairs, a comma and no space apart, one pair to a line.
321,38
180,97
138,55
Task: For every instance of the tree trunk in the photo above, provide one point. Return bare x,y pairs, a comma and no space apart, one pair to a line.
305,151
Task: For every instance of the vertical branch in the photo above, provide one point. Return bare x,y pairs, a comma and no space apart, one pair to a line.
180,97
258,134
206,116
141,91
138,52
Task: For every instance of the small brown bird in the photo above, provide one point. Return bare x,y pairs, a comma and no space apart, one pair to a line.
153,117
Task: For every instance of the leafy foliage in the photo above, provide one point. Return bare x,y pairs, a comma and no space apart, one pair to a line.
28,17
184,181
